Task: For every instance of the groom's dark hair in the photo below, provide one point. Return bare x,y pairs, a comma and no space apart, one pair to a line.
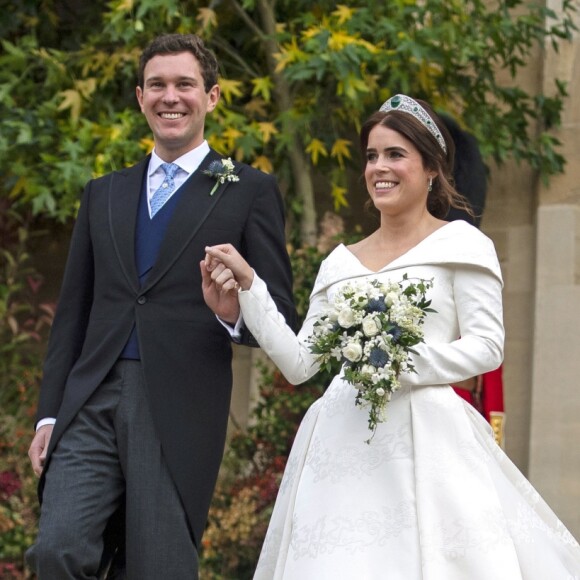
176,43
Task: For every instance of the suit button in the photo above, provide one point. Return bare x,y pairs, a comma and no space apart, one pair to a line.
141,300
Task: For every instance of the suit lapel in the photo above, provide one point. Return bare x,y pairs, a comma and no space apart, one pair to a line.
193,208
124,192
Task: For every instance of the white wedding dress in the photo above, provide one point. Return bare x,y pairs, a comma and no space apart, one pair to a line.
432,497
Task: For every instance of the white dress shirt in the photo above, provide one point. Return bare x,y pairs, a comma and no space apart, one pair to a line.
187,163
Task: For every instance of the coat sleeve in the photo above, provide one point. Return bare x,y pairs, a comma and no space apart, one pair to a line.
264,248
68,330
289,352
477,294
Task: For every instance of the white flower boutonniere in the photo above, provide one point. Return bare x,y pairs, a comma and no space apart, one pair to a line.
221,171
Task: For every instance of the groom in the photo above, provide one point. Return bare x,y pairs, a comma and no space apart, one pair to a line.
137,380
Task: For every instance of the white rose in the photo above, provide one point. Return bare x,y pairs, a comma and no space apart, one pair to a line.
352,351
346,318
368,370
370,326
391,298
380,392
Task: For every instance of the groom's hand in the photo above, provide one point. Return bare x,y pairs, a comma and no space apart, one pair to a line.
220,291
38,448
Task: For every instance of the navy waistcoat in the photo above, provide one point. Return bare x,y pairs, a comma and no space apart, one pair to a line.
149,234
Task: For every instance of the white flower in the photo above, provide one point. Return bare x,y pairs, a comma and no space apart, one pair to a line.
380,392
360,299
391,298
352,351
370,326
346,318
368,370
336,353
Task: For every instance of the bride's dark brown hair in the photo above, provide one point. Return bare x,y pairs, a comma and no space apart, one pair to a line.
443,195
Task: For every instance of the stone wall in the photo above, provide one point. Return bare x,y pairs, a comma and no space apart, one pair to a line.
536,229
554,455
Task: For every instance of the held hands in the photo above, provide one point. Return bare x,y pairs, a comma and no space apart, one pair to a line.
224,272
38,448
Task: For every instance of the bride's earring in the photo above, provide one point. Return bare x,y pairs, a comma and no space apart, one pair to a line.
430,188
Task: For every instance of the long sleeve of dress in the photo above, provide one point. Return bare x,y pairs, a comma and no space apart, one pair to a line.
477,304
289,352
477,296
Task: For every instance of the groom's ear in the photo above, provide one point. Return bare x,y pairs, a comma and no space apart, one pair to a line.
213,98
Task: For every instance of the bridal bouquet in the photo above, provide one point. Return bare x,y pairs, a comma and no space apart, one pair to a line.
371,330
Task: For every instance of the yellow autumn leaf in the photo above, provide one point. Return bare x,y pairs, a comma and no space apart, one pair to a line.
115,132
316,148
343,13
338,196
311,32
230,135
338,40
216,142
263,164
372,48
124,6
267,130
147,144
71,99
86,87
207,18
230,88
340,151
262,86
288,54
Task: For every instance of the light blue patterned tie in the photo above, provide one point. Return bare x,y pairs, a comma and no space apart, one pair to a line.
165,189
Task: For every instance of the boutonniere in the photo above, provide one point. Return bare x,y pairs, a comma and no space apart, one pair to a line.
221,170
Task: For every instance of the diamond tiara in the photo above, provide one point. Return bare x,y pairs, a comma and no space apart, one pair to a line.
408,105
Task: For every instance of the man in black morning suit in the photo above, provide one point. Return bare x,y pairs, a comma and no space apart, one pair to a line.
136,385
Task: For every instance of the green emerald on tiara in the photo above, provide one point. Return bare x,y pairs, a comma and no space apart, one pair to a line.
408,105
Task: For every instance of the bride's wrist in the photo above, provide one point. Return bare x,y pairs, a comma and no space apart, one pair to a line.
246,280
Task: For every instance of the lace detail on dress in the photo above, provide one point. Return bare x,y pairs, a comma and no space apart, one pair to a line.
328,534
334,465
455,538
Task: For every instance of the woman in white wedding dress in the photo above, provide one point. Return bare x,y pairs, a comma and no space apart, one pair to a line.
432,497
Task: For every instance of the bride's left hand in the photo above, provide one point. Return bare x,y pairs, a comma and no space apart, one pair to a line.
227,256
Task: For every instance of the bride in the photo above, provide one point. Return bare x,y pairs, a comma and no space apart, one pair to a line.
432,497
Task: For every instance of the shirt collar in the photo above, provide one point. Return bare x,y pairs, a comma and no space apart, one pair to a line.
188,162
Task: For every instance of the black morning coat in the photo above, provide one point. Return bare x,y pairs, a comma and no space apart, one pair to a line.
185,352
